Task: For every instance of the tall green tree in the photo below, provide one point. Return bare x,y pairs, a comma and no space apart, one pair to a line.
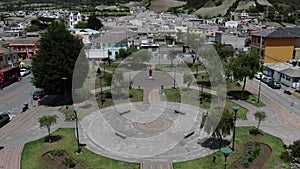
94,22
55,59
224,51
48,121
260,116
243,66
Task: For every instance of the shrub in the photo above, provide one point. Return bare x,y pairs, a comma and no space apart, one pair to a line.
251,159
285,156
51,156
246,164
68,162
57,153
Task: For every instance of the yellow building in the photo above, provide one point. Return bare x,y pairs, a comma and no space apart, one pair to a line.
276,45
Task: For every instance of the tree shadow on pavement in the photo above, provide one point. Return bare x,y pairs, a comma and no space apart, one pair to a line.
56,100
213,143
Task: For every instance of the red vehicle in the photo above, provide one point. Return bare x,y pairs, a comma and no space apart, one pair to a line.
9,75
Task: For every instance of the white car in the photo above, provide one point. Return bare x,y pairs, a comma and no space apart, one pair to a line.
24,71
259,75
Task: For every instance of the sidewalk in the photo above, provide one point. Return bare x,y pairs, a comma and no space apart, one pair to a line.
279,121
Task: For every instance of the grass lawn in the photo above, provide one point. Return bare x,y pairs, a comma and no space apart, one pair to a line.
241,114
135,95
242,137
174,95
111,67
203,80
33,151
234,91
253,100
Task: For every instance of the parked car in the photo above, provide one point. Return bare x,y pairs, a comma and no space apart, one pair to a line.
24,71
274,84
259,75
287,92
40,93
266,79
4,118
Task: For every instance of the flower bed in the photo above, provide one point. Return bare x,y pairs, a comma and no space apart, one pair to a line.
60,159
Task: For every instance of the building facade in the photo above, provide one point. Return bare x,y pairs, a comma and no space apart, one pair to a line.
276,45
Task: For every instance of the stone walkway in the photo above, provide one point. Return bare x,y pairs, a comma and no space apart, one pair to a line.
156,166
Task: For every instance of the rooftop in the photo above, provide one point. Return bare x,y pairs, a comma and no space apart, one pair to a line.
32,40
279,32
111,37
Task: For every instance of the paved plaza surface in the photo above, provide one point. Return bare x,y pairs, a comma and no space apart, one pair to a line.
140,136
148,132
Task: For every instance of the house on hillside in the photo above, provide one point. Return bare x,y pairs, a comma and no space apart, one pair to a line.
277,45
108,45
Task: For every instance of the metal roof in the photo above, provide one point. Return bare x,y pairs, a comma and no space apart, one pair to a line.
280,32
292,72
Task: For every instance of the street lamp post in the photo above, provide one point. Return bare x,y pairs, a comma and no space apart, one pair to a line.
259,87
77,135
174,77
235,109
65,78
226,151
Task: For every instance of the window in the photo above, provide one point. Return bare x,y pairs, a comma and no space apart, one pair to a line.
288,78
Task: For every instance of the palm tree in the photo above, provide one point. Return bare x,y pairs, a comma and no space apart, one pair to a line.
224,126
260,116
48,121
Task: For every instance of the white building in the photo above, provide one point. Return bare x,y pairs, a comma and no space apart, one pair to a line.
231,24
74,19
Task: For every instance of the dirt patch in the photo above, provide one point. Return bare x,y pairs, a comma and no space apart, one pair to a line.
60,159
163,5
216,10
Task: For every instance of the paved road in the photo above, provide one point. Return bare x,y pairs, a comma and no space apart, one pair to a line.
277,95
15,95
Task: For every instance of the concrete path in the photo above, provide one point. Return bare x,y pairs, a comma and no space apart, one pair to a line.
156,166
22,129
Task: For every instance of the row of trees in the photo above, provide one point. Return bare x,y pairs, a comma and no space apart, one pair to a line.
42,23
